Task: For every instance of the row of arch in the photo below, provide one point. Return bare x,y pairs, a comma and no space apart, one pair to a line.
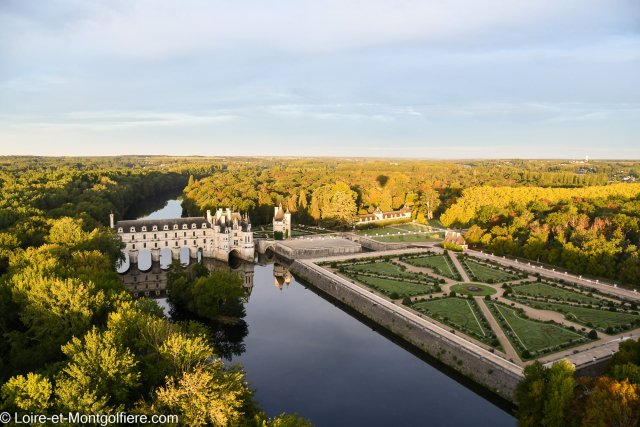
144,258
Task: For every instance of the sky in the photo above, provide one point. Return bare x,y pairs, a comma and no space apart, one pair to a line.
366,78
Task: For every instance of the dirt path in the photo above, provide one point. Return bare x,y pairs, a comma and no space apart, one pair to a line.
506,345
458,266
414,269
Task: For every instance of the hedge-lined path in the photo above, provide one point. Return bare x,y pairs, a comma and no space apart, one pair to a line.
537,314
504,341
461,271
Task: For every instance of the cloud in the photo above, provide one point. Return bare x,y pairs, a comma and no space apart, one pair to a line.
161,29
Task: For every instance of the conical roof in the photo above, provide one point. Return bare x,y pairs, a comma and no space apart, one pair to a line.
280,214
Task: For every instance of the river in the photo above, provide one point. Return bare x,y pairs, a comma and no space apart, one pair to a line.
305,354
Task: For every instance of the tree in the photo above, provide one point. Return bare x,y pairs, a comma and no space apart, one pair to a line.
100,376
205,396
531,395
30,394
612,403
559,392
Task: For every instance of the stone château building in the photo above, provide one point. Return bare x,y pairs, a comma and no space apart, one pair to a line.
214,236
379,216
282,222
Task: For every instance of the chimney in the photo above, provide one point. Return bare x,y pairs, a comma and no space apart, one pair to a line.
209,219
111,223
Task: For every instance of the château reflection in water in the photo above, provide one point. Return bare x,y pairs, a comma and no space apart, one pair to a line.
226,337
153,282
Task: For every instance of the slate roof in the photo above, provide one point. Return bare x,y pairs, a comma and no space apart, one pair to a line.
160,223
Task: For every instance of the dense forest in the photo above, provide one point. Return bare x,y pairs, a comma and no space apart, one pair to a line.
555,397
584,217
592,230
71,338
332,191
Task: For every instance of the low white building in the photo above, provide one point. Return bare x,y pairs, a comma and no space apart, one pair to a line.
379,216
214,236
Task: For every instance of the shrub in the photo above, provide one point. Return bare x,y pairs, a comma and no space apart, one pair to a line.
593,334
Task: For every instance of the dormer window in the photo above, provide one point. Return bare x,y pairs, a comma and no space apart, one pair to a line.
165,228
175,226
119,229
204,225
132,230
184,226
155,228
144,228
194,225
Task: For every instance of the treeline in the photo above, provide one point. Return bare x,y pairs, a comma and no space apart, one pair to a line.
321,190
555,397
71,338
593,231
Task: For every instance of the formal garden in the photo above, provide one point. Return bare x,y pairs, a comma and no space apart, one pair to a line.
440,264
387,277
462,314
488,272
534,338
430,284
608,320
548,291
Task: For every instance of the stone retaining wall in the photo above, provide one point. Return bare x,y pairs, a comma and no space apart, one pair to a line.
482,366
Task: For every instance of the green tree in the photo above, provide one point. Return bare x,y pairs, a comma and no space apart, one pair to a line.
30,394
101,375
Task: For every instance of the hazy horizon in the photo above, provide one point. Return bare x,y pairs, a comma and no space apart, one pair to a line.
411,79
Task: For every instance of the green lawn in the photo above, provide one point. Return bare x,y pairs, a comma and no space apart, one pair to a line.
592,317
439,262
473,289
391,286
407,238
484,273
383,267
459,313
379,231
553,292
533,335
412,227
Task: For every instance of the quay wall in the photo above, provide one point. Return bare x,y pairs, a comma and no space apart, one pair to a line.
480,365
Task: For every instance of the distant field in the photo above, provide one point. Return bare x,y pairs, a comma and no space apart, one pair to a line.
461,314
485,273
437,262
533,335
393,288
543,290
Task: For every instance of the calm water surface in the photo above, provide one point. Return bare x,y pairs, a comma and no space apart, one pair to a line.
305,355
